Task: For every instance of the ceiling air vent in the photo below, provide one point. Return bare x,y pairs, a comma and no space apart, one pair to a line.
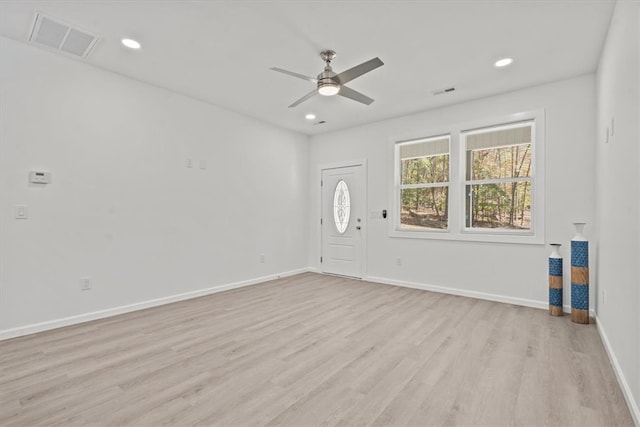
54,34
446,90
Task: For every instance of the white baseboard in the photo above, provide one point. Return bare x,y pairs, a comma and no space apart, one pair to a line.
461,292
622,381
567,309
101,314
544,305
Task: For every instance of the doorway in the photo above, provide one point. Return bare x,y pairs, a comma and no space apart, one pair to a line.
343,220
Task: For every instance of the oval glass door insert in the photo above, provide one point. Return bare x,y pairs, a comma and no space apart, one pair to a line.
341,206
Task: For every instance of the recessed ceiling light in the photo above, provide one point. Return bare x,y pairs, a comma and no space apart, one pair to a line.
310,116
503,62
131,44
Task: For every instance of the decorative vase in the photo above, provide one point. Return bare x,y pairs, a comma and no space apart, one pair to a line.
555,281
579,276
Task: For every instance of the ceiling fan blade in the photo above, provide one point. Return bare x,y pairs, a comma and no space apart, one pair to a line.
291,73
304,98
355,95
358,70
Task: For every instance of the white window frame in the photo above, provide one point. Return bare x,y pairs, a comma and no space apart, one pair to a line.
457,181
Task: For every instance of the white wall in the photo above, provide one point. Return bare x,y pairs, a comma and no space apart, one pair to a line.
509,271
618,195
122,207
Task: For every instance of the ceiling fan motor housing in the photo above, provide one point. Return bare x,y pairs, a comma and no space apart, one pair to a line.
326,84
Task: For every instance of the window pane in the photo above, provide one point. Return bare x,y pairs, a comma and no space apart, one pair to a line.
424,208
503,206
424,161
502,162
425,170
341,206
499,152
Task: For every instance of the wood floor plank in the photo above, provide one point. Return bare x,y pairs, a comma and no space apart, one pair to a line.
314,350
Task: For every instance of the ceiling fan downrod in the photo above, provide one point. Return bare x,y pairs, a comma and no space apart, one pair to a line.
326,85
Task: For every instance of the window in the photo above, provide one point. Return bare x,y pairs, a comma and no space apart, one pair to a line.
498,177
482,181
341,206
424,183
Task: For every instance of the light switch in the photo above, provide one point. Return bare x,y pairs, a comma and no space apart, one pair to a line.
22,211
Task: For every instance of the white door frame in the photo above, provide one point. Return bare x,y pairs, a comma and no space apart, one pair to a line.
337,165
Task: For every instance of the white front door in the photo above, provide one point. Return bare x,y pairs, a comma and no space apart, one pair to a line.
342,221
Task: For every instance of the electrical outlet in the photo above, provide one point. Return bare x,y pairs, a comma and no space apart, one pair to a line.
262,258
189,163
85,283
398,261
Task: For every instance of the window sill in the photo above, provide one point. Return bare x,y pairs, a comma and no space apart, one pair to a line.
469,236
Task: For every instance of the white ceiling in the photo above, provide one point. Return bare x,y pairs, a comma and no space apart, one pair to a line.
221,51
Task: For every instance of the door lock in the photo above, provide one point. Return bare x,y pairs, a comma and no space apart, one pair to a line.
358,227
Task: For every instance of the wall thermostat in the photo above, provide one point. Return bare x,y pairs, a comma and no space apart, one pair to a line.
39,177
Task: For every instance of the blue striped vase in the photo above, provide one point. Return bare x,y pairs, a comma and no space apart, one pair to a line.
555,281
579,276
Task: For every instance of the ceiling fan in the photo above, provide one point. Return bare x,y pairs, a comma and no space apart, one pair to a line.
329,83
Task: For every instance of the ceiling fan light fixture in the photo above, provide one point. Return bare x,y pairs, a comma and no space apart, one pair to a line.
328,89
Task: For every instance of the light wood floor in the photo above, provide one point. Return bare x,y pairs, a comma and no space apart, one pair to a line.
314,350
